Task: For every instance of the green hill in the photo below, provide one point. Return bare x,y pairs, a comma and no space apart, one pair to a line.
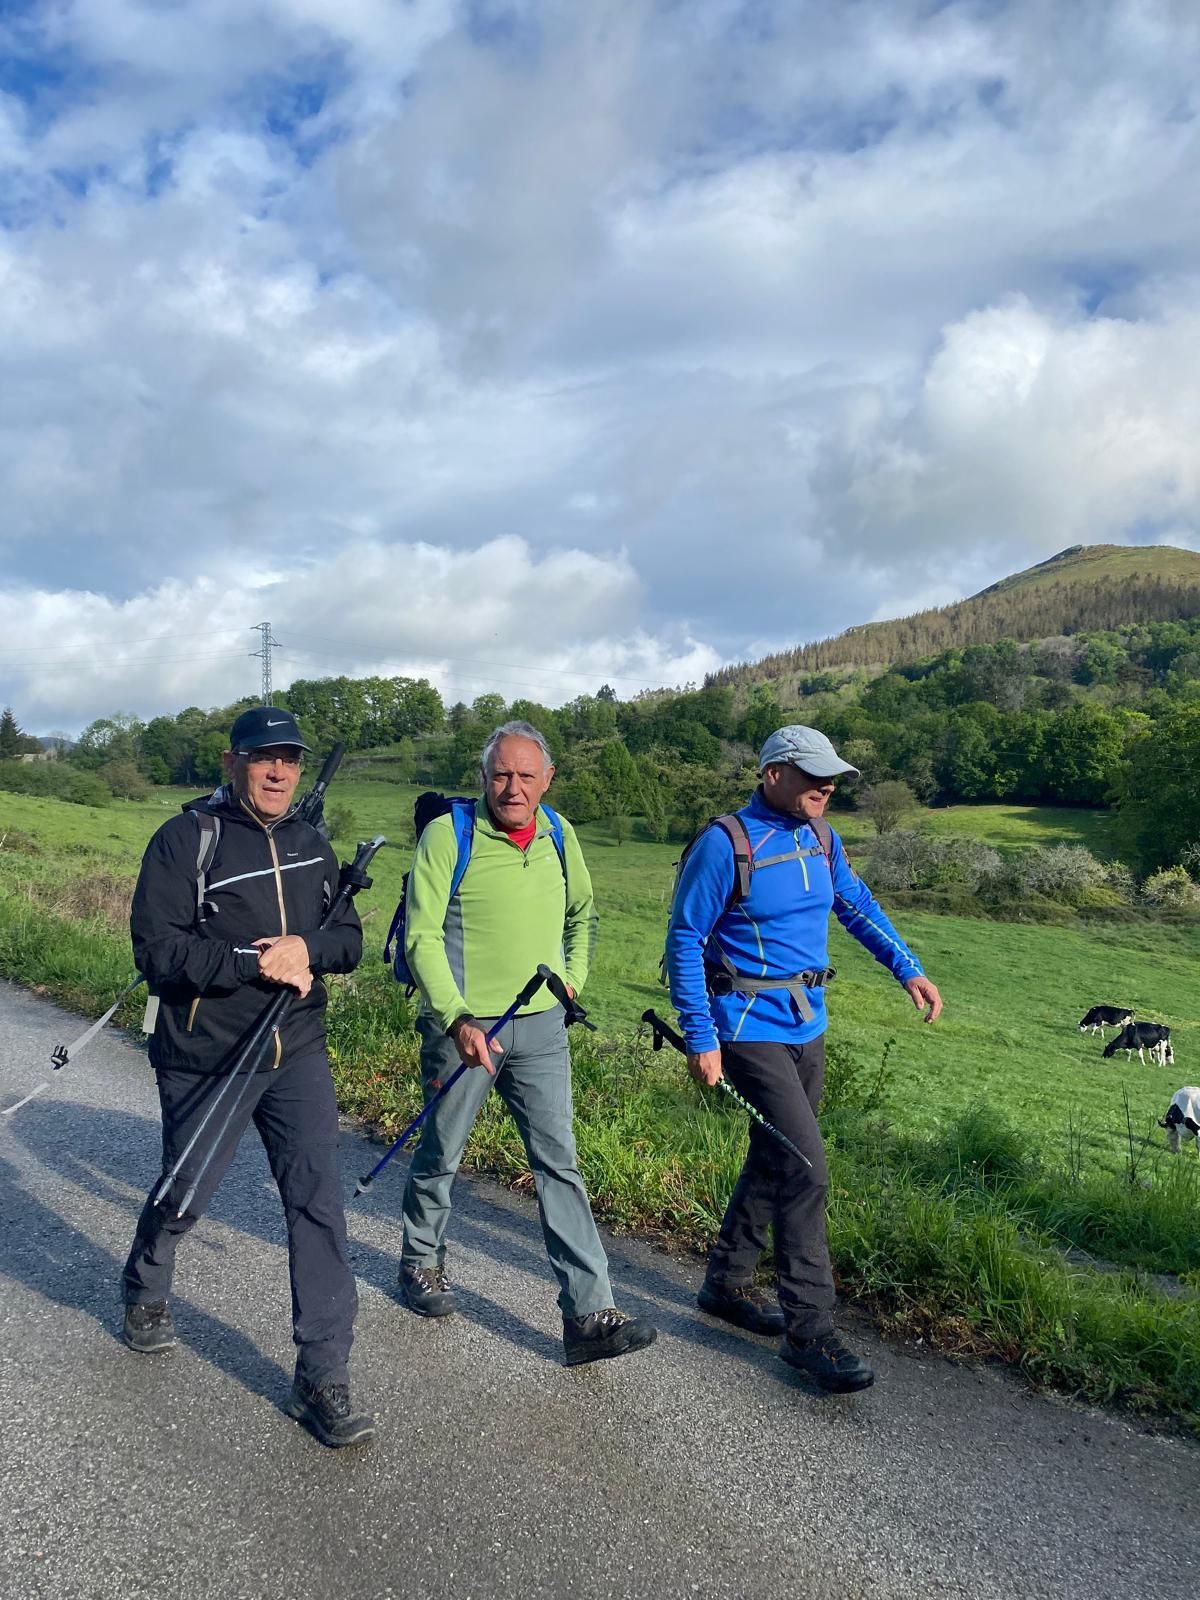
1085,588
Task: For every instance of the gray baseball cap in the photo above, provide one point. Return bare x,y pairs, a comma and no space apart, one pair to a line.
807,749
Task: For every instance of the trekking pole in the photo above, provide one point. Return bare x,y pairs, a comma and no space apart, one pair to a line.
63,1054
351,879
523,999
663,1030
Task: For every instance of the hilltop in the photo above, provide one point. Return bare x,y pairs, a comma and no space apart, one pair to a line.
1082,589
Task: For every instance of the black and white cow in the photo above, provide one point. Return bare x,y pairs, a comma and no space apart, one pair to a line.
1182,1120
1141,1036
1101,1017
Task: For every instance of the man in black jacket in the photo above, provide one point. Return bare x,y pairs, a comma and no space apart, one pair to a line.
228,907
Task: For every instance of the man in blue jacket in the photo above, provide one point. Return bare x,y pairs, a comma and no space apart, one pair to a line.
747,954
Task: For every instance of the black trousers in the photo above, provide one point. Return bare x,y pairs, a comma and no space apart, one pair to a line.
774,1189
295,1112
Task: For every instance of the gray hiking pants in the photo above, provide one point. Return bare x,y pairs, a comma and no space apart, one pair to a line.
533,1078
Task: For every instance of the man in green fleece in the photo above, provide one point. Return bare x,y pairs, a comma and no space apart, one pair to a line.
518,905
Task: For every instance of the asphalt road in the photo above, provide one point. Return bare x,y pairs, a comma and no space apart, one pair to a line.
702,1467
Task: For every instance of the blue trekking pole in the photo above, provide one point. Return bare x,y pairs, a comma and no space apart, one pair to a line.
523,999
663,1030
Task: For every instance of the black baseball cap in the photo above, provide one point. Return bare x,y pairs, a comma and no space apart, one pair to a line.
263,727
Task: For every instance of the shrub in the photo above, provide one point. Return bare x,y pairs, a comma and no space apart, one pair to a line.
904,859
55,779
1063,872
124,780
1170,887
340,822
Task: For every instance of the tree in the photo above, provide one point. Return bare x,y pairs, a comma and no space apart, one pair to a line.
653,800
887,804
1160,800
619,826
10,735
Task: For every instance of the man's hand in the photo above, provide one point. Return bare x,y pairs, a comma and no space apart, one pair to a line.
705,1067
471,1042
285,960
925,994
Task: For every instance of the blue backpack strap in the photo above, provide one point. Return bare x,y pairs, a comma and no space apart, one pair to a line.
556,833
462,819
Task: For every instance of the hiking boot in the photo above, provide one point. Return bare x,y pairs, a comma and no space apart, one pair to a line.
149,1329
602,1334
325,1410
743,1304
828,1362
427,1291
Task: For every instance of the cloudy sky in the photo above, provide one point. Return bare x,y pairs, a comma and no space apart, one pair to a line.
529,344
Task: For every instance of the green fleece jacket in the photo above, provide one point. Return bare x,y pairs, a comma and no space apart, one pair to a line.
513,911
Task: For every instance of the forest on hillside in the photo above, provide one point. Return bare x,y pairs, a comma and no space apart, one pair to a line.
1012,610
1101,718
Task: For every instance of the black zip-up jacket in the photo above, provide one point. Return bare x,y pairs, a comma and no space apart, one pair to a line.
264,879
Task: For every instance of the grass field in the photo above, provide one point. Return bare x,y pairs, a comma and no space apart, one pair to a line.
990,1144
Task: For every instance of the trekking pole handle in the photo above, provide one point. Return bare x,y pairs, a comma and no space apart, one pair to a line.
311,806
575,1012
523,999
663,1030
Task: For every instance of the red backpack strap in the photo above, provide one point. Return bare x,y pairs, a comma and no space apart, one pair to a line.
734,830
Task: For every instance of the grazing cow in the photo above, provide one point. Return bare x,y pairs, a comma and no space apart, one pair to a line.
1142,1036
1182,1120
1101,1017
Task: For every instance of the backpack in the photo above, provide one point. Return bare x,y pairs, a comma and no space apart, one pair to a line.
744,863
461,810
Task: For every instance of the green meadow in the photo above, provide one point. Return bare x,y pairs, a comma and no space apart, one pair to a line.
997,1185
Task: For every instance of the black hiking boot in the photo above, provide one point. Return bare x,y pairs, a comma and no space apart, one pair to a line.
828,1362
325,1410
149,1329
603,1334
743,1304
427,1291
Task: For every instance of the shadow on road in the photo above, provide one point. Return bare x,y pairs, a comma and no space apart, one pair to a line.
107,1152
41,1250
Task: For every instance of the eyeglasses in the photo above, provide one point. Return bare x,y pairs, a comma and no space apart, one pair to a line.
263,758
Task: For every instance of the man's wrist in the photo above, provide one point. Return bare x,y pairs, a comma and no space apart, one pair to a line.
463,1020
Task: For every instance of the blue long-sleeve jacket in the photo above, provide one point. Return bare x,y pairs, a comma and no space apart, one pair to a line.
780,929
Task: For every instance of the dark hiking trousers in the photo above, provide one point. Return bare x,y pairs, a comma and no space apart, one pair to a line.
295,1113
774,1189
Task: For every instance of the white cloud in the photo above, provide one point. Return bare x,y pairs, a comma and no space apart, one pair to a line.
545,628
748,329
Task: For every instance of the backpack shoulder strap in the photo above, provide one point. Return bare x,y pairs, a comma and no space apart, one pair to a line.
734,829
824,834
462,819
210,837
556,833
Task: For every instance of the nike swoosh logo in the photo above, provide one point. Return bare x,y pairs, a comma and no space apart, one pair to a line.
282,723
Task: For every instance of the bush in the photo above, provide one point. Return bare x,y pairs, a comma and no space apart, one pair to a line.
124,780
56,780
1063,872
340,822
904,859
1170,887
